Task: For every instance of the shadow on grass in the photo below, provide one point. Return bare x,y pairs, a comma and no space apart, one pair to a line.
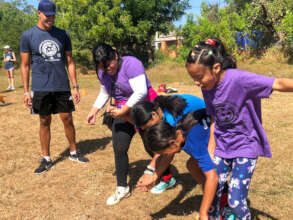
256,214
86,147
5,104
7,91
181,206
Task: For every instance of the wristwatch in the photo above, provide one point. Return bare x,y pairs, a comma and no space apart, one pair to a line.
75,87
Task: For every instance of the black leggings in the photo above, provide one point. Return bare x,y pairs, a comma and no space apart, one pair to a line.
122,133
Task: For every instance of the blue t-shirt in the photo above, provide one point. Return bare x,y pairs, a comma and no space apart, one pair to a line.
193,103
196,145
197,139
48,61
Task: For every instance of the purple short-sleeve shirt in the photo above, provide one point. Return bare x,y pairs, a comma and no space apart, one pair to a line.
130,68
235,104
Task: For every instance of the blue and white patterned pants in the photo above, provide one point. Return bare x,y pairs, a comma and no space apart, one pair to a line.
242,170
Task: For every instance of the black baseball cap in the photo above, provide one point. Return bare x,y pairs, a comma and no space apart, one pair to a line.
47,7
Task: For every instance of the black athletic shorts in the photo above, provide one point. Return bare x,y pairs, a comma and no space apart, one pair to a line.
47,103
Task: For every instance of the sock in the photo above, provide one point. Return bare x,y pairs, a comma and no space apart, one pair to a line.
121,188
47,158
72,152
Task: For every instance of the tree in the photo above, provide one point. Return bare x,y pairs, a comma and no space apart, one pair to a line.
15,17
127,24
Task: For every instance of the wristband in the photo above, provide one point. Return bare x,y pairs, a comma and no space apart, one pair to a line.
149,167
26,93
148,172
75,87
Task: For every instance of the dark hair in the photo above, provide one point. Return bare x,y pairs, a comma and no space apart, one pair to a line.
103,53
210,52
141,112
158,136
173,104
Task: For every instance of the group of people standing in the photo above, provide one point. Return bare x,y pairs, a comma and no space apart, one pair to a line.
223,133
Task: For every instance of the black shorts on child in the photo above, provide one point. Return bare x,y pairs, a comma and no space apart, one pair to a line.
47,103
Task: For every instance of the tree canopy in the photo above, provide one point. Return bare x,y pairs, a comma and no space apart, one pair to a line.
132,24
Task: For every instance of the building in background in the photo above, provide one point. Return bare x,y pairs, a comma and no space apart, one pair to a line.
168,44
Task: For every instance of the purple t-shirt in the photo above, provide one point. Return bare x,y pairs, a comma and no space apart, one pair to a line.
130,68
235,104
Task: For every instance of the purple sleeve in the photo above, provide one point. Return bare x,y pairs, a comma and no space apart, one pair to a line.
100,76
258,86
133,67
209,108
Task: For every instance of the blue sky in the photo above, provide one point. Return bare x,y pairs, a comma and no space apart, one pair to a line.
195,9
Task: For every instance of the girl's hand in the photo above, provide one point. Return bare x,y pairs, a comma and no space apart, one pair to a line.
145,182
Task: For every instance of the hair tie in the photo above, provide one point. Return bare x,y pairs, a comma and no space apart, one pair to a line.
210,42
192,54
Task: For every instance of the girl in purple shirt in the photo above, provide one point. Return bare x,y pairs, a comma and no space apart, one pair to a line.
233,99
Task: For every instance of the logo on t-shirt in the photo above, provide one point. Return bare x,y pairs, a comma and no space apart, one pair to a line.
50,50
225,113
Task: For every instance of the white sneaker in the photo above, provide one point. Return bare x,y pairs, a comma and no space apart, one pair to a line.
8,88
12,88
120,193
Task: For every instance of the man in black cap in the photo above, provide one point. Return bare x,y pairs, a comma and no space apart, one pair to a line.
48,50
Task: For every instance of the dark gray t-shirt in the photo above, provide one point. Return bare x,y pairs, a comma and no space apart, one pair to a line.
47,50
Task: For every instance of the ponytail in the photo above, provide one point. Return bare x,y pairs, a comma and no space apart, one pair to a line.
173,104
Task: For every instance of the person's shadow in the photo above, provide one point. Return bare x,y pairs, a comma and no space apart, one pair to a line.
86,147
182,207
256,214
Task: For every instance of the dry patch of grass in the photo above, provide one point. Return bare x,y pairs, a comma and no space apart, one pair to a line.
79,191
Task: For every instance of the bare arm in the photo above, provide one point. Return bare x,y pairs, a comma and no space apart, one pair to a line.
210,188
212,141
283,85
161,162
72,75
13,57
25,70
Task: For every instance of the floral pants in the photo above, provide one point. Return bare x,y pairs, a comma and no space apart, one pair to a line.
241,170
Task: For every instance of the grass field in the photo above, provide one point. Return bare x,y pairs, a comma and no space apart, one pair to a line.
79,191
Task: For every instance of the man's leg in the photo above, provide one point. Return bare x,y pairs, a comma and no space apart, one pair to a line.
45,134
70,135
45,137
69,129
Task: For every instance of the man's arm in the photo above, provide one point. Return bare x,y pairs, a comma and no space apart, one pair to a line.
25,69
72,75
